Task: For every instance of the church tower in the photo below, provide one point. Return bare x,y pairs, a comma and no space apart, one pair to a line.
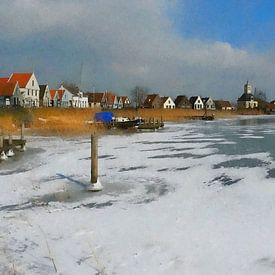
247,88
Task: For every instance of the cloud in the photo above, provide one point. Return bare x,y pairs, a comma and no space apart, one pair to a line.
117,44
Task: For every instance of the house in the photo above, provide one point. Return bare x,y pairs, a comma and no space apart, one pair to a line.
80,101
65,97
53,98
270,108
44,96
223,105
9,94
152,101
247,101
125,101
167,102
196,102
29,88
111,101
182,102
209,104
95,100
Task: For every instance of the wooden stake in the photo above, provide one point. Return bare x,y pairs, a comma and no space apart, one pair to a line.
94,160
1,141
10,139
22,130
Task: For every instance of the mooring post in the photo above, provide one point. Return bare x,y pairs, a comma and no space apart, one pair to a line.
94,161
95,184
10,140
22,130
1,141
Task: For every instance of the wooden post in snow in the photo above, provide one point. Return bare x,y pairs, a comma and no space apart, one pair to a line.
94,161
95,184
22,130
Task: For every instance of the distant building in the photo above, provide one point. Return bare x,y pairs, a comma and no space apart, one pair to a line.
182,102
196,103
44,96
270,108
209,104
152,101
125,101
167,102
9,94
247,101
223,105
29,88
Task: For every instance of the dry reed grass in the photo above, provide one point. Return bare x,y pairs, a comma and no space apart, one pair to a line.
68,122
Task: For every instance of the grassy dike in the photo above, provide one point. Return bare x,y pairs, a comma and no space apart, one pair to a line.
67,122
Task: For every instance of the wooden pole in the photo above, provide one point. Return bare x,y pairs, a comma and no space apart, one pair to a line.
94,160
22,130
1,141
10,139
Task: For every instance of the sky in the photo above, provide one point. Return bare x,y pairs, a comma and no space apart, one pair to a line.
170,47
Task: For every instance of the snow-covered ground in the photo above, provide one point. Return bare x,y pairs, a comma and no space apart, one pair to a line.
193,198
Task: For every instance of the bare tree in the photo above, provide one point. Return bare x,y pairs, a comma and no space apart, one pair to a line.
72,87
138,95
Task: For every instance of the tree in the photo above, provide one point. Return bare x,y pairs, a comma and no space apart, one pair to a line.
260,96
138,95
72,87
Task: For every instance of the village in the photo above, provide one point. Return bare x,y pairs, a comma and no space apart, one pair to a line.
24,90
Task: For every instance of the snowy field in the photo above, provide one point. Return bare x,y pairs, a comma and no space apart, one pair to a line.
193,198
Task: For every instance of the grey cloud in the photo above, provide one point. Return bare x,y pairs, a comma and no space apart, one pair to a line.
121,44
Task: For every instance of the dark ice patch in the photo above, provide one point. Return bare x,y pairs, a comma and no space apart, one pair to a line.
132,168
224,180
240,163
163,170
266,261
178,155
271,173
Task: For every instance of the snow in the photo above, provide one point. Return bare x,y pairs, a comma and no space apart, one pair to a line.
183,200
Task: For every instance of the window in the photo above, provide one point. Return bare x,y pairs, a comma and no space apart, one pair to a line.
33,83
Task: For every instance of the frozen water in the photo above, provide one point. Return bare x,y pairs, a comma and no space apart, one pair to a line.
193,198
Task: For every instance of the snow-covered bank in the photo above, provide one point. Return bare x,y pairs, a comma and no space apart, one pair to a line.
194,198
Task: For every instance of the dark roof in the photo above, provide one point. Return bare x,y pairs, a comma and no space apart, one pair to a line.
192,99
182,99
42,91
246,97
150,99
205,99
222,104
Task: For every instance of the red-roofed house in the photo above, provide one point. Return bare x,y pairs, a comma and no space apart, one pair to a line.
53,98
9,94
95,99
167,102
29,88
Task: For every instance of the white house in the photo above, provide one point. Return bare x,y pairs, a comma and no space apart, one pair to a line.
196,102
80,101
209,103
65,97
167,102
29,88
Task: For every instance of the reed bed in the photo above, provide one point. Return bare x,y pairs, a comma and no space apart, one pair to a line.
69,122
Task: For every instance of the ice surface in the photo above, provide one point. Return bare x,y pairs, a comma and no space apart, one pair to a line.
193,198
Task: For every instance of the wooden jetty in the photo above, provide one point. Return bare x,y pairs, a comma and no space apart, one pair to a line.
151,124
8,144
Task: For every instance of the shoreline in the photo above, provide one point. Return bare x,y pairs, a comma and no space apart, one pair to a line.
75,122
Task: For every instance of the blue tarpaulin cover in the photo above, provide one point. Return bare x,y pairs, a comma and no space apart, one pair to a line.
105,117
